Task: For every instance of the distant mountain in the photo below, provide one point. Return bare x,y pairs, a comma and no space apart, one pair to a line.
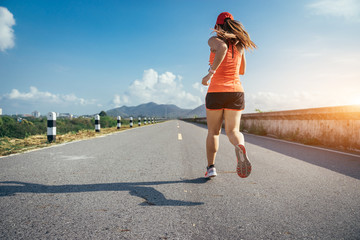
198,112
152,109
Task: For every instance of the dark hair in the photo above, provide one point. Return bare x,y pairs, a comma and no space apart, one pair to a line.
234,32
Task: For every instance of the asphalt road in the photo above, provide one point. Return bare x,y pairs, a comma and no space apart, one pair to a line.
147,183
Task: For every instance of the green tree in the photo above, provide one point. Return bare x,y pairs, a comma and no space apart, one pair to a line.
102,114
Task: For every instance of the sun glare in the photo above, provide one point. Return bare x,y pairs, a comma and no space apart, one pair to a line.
355,100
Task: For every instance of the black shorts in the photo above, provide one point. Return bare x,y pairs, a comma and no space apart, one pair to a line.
225,100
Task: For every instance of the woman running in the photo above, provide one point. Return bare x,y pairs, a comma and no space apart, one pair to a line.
225,95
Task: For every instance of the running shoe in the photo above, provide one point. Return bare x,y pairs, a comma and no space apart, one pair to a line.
210,172
243,168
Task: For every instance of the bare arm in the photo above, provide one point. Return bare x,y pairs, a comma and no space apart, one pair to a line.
220,48
243,63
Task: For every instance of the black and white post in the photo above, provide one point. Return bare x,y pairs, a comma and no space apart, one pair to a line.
144,121
118,122
131,122
149,120
97,123
153,120
51,126
139,121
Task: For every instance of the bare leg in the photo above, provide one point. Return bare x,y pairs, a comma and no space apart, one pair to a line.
214,120
232,127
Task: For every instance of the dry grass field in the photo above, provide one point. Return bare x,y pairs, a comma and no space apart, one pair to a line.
14,145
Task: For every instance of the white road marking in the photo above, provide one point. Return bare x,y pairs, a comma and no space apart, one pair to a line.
179,136
72,158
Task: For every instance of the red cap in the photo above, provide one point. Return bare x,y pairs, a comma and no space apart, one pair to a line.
221,18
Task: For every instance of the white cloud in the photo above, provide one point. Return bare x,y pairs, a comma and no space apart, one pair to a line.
125,99
198,86
163,88
167,78
7,36
74,99
117,101
348,9
35,95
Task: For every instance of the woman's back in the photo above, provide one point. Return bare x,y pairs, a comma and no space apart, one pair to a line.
226,78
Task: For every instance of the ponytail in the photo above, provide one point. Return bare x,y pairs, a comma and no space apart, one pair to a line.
234,32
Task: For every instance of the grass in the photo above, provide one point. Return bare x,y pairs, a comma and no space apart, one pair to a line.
15,145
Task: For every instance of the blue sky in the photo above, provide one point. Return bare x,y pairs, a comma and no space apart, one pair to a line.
86,56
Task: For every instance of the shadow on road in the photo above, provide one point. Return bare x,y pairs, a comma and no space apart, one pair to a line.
337,162
143,190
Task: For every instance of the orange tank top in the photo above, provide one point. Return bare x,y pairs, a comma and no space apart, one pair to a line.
226,77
